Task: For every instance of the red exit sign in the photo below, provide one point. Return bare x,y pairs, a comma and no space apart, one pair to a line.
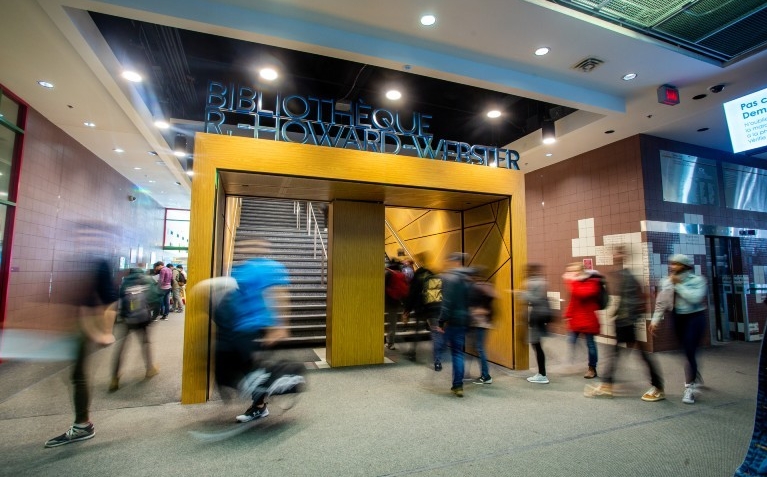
668,94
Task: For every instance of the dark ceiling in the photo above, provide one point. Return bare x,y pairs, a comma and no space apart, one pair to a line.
178,64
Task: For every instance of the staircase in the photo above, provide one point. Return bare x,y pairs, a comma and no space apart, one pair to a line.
275,220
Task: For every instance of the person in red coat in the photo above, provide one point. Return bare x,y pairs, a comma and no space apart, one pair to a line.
581,314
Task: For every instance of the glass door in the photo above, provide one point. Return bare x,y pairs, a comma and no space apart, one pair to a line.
727,289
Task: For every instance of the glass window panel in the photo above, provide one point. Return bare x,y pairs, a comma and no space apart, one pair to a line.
3,213
176,214
9,109
7,140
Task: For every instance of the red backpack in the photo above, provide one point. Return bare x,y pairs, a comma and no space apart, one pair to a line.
397,287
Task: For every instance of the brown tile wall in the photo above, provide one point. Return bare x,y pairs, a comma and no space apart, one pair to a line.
604,184
62,185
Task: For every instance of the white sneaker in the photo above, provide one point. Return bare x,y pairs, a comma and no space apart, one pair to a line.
689,394
538,379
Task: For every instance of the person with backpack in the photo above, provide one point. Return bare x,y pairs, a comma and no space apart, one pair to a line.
178,307
248,321
454,313
396,289
425,300
182,285
539,315
627,314
481,297
586,297
135,304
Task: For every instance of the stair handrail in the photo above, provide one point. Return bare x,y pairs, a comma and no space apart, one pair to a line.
297,212
402,244
312,218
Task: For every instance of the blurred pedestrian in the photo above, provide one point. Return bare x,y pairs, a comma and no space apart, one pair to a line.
93,296
581,314
683,294
539,315
481,297
135,310
628,313
396,289
175,283
425,300
454,313
249,320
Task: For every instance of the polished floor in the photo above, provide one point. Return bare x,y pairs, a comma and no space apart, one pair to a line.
399,419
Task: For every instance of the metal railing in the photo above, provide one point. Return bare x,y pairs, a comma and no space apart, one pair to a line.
402,244
311,219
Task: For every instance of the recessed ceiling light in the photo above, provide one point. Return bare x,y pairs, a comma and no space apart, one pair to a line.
393,94
268,74
699,96
118,150
132,76
610,131
152,182
548,154
702,129
45,84
428,20
90,124
179,153
190,173
542,51
136,168
161,124
629,76
494,114
151,153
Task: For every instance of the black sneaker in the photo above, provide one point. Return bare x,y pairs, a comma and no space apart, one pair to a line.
437,366
74,434
164,318
253,413
484,380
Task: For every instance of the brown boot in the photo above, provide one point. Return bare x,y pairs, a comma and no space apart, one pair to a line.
591,373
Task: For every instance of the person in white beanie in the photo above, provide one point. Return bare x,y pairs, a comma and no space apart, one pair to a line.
683,294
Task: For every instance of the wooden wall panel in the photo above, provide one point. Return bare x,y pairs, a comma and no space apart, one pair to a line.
355,325
215,153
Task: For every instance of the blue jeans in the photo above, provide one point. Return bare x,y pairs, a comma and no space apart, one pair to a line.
590,344
456,339
165,302
437,341
479,342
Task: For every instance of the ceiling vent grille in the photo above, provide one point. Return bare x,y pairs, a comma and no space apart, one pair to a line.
588,65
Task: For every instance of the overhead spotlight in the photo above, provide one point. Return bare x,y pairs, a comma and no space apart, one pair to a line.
179,146
89,124
132,76
542,51
393,94
118,150
45,84
494,114
428,20
548,154
160,124
629,76
268,74
548,131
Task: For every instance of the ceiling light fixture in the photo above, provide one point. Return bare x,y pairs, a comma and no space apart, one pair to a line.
151,153
190,173
548,154
132,76
699,96
428,20
629,76
45,84
118,150
268,74
179,153
542,51
160,124
89,124
702,129
494,113
393,94
548,131
136,168
179,146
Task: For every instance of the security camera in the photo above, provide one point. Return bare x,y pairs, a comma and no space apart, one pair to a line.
131,198
717,88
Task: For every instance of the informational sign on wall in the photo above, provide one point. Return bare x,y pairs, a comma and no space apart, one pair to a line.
747,121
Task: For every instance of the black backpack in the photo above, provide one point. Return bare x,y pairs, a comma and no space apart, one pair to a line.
604,298
135,299
431,293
